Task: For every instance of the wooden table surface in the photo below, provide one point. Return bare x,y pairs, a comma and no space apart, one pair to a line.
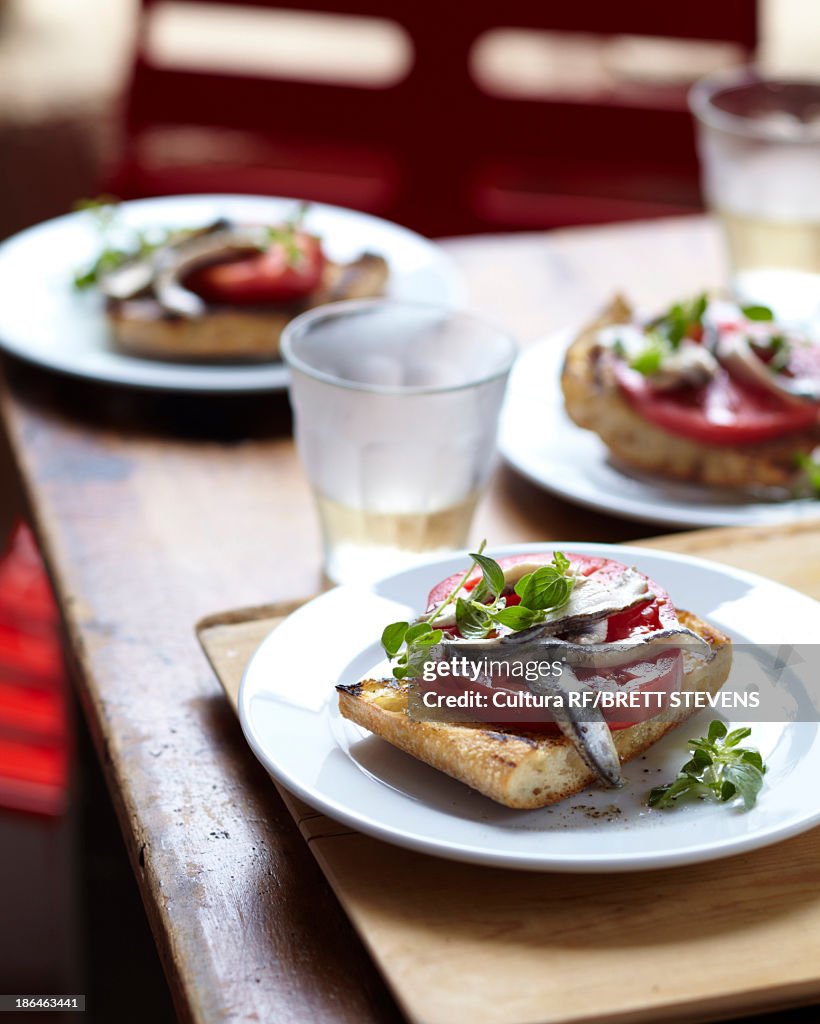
154,511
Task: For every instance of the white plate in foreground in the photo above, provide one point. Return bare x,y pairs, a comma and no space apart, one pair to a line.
539,440
44,320
289,713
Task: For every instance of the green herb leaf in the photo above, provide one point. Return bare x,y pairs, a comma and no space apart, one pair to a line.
753,757
544,588
560,561
717,730
393,638
718,770
428,639
416,632
473,619
680,320
664,796
736,735
492,573
649,360
811,469
517,617
757,312
746,779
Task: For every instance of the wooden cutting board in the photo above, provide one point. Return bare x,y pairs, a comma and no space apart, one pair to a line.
458,942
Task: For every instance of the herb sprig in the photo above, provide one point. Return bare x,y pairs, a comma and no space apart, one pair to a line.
681,319
103,210
286,236
541,591
760,313
810,464
665,334
719,770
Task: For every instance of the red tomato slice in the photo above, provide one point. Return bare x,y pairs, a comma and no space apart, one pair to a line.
662,674
655,613
442,590
273,276
641,619
724,412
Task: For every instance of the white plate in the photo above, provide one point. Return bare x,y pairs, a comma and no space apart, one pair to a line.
288,710
538,438
44,320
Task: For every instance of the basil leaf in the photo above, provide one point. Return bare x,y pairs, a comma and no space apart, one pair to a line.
428,639
415,632
473,619
736,735
492,572
676,322
517,617
560,561
698,308
663,796
544,588
417,658
757,312
393,638
717,730
649,361
753,757
718,770
810,467
700,759
747,780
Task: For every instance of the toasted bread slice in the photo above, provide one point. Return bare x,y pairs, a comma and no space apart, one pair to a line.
520,769
140,327
594,400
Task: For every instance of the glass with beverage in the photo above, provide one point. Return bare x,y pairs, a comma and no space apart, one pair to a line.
396,409
759,142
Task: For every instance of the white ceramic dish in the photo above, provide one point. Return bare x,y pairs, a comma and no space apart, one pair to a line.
288,710
44,320
539,440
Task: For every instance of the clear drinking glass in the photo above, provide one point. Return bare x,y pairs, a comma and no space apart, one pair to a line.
759,142
396,409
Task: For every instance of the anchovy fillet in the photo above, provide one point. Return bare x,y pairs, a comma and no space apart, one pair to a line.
173,263
584,727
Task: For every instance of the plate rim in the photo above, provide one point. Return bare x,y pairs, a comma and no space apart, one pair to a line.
588,863
245,378
632,508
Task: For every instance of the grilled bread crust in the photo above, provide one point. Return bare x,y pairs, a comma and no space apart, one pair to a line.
140,327
519,769
594,401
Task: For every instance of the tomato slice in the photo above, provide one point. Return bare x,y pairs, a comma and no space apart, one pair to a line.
279,274
441,591
655,613
660,673
723,412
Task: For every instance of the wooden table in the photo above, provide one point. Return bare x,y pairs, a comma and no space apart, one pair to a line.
155,511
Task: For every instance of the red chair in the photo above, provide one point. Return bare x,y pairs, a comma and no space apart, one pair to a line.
434,150
34,734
